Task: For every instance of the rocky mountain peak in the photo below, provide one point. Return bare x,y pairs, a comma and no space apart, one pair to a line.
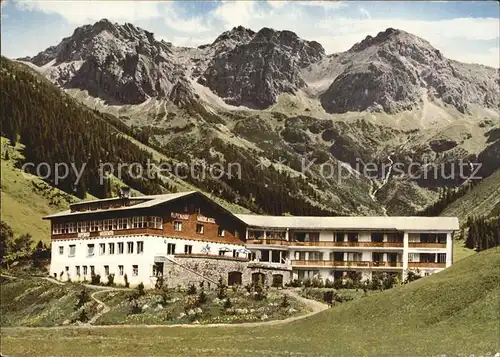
255,73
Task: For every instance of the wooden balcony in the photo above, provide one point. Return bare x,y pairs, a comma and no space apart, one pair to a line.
427,245
337,263
268,242
329,244
420,265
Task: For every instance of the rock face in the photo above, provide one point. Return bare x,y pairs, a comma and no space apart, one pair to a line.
255,73
392,72
123,64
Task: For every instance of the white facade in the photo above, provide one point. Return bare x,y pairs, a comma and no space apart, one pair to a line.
73,256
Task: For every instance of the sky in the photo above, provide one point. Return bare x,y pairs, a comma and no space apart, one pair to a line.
464,31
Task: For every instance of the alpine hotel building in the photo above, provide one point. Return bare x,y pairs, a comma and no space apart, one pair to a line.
187,238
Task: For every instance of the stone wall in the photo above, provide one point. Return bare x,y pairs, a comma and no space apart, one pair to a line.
194,270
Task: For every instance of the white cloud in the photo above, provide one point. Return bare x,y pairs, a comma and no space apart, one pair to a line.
336,25
82,12
175,20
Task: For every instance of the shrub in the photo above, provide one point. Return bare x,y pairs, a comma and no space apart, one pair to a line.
165,297
228,304
307,283
260,293
83,317
83,298
285,302
159,283
338,284
111,280
412,276
135,308
221,289
295,283
328,283
140,289
95,279
328,297
191,289
202,297
317,283
125,278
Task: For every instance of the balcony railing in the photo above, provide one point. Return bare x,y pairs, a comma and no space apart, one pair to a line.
268,242
338,263
426,265
325,243
426,245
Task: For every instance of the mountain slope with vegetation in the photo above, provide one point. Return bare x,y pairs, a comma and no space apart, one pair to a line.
453,312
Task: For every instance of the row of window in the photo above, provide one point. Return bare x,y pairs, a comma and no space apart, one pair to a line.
200,229
108,224
85,270
102,248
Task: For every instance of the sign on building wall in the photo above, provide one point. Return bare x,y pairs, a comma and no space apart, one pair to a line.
106,233
205,219
179,215
83,235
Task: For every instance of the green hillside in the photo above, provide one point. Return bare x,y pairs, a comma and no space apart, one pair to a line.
26,198
454,312
482,200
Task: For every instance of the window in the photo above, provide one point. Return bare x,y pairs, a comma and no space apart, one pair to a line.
57,228
199,228
92,270
221,252
67,269
120,270
130,247
120,248
107,225
177,226
93,226
102,248
139,222
77,268
413,257
99,225
140,247
122,223
220,232
72,250
106,270
235,253
61,250
135,270
441,257
237,234
155,222
188,249
114,224
90,250
70,227
85,270
170,248
111,249
82,227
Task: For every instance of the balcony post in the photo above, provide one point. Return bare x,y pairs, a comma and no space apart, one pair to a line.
405,254
265,235
449,250
246,234
287,237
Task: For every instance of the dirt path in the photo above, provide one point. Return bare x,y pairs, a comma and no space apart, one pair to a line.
315,306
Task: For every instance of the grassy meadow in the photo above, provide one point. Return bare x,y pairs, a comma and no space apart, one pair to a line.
454,312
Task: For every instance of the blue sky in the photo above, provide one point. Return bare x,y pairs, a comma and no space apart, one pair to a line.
465,31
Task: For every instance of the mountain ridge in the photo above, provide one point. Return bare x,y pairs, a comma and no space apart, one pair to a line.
389,72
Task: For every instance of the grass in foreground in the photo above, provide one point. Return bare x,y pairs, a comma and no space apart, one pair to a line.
455,312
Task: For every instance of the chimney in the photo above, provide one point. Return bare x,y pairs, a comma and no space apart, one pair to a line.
125,192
